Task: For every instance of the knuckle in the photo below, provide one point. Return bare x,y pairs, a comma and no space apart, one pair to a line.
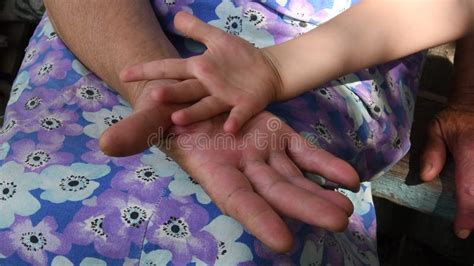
239,99
232,203
201,66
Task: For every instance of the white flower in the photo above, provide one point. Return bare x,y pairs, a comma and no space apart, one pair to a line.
131,262
21,83
338,7
61,261
362,200
355,107
4,149
232,21
92,261
164,165
155,257
312,253
73,183
226,231
103,119
15,197
47,29
185,186
88,261
80,68
408,101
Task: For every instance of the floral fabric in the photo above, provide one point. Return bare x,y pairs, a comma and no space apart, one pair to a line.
63,202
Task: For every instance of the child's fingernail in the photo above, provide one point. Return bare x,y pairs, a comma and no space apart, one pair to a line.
463,233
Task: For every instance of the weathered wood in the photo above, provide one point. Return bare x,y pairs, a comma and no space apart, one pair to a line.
436,197
402,184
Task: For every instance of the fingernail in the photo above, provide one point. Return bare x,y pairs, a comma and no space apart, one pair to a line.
463,233
426,169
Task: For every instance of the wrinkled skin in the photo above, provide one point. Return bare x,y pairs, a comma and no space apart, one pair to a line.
254,185
453,130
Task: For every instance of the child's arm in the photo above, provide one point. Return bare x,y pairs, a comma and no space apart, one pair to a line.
233,75
372,32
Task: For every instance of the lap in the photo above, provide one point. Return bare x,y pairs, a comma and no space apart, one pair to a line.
64,201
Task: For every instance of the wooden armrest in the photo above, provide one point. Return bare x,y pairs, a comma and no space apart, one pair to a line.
403,187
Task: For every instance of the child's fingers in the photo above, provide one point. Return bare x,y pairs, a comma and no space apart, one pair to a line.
239,115
159,69
190,90
206,108
196,29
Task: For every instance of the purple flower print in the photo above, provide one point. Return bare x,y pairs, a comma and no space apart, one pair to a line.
356,247
226,231
90,94
142,181
305,11
96,156
259,15
357,233
35,157
34,102
31,243
36,48
87,227
172,6
315,252
51,39
372,231
52,127
177,227
128,215
52,66
11,126
232,20
112,225
301,16
15,196
341,248
389,143
278,258
32,53
48,35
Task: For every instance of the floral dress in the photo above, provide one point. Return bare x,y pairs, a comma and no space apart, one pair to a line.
63,202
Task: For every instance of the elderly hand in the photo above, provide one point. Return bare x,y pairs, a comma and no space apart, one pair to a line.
256,183
147,122
256,178
454,130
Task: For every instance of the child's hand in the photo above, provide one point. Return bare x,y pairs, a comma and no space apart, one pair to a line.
231,75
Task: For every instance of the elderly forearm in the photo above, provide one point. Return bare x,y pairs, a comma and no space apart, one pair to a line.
110,35
370,33
463,94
